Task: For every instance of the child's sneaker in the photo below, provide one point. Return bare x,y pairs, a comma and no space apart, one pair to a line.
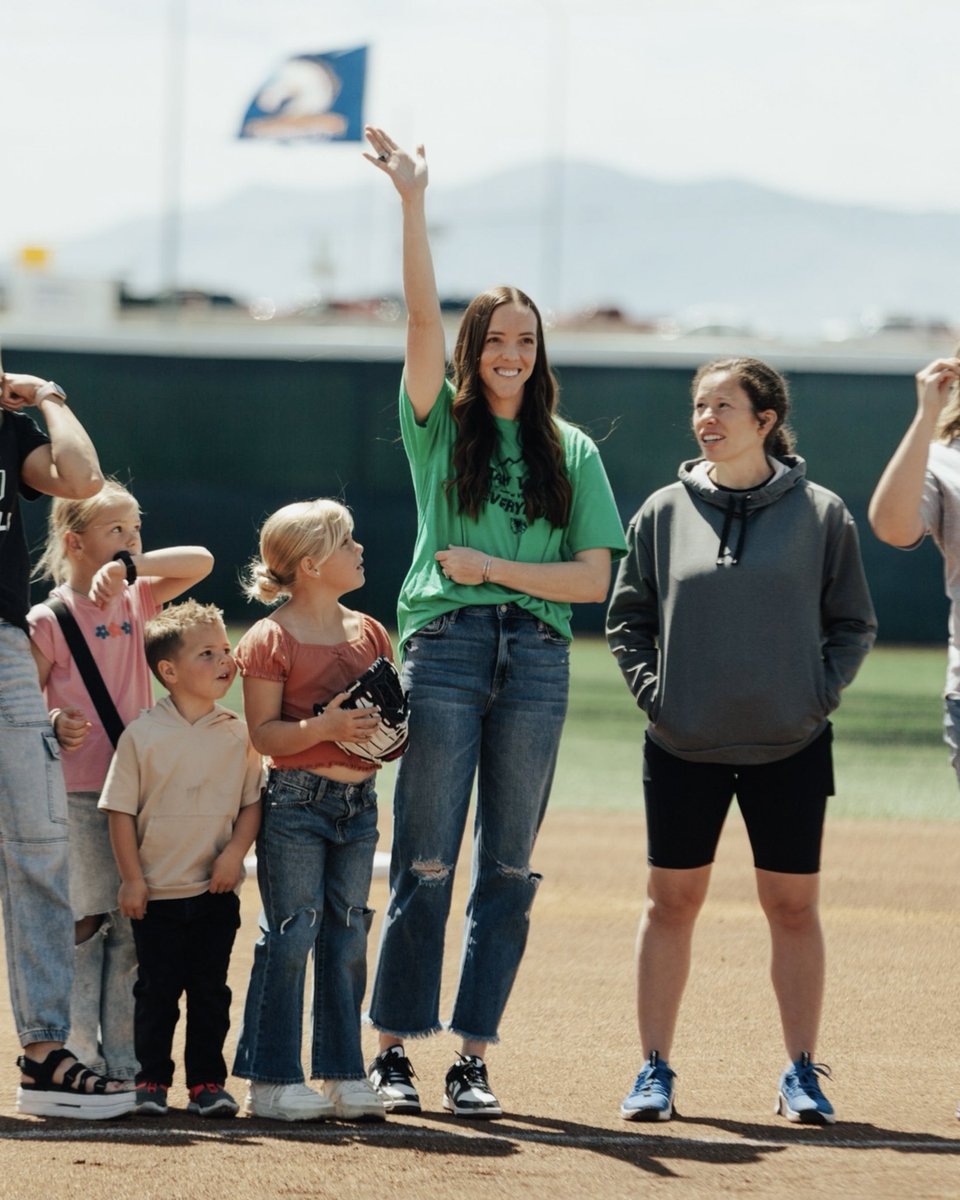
212,1100
287,1102
151,1099
392,1074
651,1097
800,1098
467,1091
355,1099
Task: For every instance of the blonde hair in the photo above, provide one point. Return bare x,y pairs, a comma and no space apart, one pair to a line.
74,516
948,427
306,529
163,634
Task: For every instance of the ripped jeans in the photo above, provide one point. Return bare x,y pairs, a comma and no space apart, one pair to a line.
488,696
314,865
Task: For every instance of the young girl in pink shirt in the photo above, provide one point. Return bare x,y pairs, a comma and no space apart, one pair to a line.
111,587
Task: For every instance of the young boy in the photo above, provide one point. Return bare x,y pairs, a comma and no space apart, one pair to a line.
183,800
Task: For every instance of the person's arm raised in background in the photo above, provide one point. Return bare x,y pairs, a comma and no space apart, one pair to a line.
425,361
68,465
895,507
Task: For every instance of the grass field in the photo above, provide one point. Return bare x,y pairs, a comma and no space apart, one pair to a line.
890,760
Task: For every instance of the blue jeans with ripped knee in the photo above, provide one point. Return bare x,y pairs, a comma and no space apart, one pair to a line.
314,863
488,696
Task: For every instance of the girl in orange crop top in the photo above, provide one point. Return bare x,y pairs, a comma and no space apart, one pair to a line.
319,831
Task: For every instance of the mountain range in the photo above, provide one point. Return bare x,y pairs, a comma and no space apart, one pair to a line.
574,235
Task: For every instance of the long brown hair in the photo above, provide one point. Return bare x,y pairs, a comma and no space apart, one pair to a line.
546,490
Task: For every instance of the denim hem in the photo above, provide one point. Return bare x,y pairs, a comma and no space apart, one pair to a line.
265,1079
408,1034
30,1036
122,1072
491,1040
339,1075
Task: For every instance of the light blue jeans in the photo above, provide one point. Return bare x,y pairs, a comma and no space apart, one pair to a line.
37,921
314,864
488,696
105,964
951,730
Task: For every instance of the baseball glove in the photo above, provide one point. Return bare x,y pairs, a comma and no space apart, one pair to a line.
378,687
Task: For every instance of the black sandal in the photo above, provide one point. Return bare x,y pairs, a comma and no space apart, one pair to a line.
68,1098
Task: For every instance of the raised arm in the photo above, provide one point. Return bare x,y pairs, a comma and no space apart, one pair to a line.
423,369
68,465
895,505
171,572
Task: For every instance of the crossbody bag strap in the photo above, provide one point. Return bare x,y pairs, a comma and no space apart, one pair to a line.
89,671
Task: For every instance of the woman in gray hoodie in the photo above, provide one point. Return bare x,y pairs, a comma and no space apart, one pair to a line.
739,614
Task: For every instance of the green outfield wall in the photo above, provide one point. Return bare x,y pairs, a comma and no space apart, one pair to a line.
210,444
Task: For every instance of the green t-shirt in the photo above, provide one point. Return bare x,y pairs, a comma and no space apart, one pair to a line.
501,530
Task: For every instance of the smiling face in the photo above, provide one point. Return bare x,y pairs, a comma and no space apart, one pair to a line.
508,356
730,434
202,669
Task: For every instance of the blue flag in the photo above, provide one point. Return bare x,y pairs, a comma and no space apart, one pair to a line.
315,97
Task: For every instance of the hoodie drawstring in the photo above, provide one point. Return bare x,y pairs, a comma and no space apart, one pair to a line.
736,508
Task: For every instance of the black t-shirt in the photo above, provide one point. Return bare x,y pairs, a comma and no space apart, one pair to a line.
19,437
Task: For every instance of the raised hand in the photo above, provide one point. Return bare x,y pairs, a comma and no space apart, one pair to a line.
934,382
24,391
109,581
409,174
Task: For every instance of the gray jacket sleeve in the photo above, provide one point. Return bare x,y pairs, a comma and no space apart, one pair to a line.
848,620
633,618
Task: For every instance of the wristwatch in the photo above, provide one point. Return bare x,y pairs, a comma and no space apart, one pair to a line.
123,556
51,390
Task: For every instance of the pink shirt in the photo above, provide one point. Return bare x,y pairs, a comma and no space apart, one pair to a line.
115,637
311,675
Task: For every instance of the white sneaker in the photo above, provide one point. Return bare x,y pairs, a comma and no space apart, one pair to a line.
355,1099
288,1102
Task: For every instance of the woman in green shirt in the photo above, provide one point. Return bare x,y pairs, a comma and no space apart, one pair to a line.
516,521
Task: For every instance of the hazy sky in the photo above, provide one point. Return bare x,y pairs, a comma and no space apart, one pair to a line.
851,100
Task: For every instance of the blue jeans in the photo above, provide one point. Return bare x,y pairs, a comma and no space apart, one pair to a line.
951,730
314,864
488,696
34,886
105,964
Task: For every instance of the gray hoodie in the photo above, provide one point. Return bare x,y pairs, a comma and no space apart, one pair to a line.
738,617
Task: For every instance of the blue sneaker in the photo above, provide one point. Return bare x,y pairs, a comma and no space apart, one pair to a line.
651,1097
800,1098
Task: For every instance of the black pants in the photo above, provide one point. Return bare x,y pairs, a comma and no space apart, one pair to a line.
184,946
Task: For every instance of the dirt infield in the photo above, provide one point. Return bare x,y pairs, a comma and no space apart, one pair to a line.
891,907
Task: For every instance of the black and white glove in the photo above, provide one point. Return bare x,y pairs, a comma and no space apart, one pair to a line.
378,687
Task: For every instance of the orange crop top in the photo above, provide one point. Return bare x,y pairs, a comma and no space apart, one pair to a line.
310,675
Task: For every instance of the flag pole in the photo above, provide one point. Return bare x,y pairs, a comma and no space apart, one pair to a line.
554,200
172,157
